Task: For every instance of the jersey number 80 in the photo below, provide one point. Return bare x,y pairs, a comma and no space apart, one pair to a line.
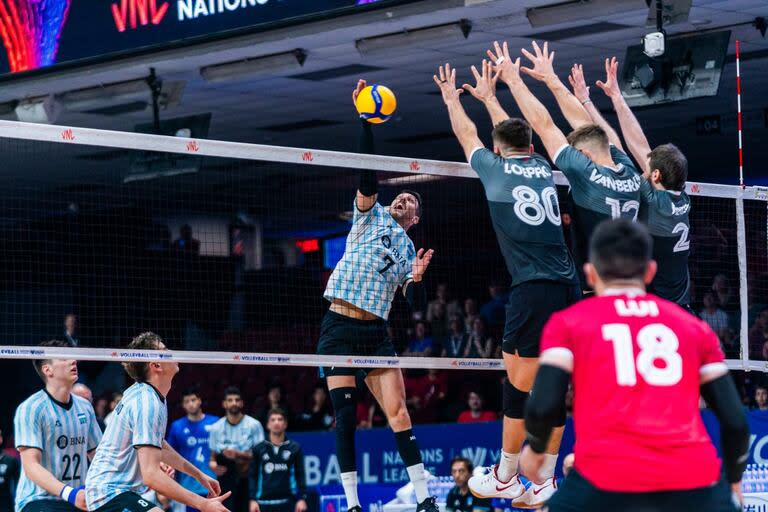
532,209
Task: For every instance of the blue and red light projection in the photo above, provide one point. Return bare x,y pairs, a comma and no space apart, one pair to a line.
42,33
31,30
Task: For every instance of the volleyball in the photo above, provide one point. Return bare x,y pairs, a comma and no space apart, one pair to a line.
376,103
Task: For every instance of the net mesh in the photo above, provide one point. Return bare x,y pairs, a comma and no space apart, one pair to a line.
96,225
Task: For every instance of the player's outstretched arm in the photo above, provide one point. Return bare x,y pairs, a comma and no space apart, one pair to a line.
31,461
463,127
637,143
413,289
581,92
368,191
172,458
154,477
485,91
542,70
534,112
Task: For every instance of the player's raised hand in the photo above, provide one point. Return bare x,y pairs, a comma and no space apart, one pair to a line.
215,504
421,262
531,463
578,84
508,70
611,85
542,59
485,82
446,81
361,84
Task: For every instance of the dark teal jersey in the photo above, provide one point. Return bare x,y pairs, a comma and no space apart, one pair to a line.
522,199
665,213
598,193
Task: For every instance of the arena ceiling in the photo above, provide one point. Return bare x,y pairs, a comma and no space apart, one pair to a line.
310,107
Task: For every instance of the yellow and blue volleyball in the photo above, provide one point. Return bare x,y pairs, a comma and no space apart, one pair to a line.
376,103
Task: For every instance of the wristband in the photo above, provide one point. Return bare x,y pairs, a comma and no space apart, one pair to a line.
69,494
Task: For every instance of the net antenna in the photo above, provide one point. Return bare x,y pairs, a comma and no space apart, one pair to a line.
738,113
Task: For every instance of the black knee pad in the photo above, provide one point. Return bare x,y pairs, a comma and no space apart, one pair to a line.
344,402
514,401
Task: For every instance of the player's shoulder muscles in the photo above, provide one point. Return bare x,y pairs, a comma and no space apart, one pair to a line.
571,161
482,160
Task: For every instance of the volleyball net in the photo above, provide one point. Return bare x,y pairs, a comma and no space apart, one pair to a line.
224,250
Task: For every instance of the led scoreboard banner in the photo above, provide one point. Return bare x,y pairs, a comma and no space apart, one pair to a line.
38,34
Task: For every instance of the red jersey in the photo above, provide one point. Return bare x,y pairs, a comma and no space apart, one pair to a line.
485,416
637,361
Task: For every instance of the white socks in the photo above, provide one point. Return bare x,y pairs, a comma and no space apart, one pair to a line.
548,468
507,466
349,481
419,481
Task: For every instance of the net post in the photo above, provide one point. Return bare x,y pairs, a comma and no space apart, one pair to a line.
741,247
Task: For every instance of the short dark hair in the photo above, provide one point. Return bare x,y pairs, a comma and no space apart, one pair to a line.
277,411
588,134
672,164
620,249
139,370
418,199
191,390
513,133
467,463
232,390
38,363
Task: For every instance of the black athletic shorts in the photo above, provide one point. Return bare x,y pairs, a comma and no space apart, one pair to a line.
46,505
127,502
344,336
530,305
576,494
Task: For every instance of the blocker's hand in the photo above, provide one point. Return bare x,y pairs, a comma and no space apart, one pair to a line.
531,463
485,82
421,263
506,69
578,84
611,85
446,81
541,58
361,84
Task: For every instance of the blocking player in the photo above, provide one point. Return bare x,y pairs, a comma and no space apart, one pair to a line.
379,258
189,436
601,187
277,482
128,461
664,205
638,364
522,198
56,433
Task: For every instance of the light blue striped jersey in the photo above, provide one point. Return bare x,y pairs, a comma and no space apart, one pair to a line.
139,420
241,437
378,258
64,434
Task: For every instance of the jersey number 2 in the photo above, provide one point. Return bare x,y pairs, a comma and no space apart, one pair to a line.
656,341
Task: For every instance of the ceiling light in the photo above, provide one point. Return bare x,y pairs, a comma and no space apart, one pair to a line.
389,43
247,68
575,10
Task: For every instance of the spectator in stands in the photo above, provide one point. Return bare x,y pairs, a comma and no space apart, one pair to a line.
70,329
113,402
426,395
493,312
438,326
470,312
475,412
480,343
451,305
758,333
318,416
730,343
457,341
713,314
83,391
275,400
10,470
725,297
421,345
459,498
277,478
190,437
186,243
232,440
761,397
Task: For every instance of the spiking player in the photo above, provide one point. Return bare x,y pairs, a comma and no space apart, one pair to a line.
379,258
56,432
664,205
638,364
523,203
128,461
602,187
